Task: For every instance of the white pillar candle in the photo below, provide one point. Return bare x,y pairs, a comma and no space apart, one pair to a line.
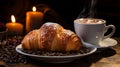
33,20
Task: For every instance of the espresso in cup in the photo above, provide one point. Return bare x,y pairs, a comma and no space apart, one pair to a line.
92,30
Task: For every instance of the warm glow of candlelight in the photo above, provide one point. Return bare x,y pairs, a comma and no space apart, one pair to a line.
34,8
13,19
34,19
14,28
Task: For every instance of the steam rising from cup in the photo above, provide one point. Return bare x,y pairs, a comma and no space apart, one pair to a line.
88,10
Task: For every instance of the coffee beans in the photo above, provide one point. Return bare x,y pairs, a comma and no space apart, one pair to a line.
8,53
56,53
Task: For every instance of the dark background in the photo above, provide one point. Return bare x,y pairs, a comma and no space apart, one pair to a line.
63,12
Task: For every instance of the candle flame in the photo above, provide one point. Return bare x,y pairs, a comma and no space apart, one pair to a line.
34,8
13,18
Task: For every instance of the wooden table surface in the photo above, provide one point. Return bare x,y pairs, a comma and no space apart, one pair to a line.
109,57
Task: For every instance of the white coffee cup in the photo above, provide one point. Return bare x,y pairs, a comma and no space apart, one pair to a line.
92,30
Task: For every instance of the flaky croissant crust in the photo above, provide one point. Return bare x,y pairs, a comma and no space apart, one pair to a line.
52,37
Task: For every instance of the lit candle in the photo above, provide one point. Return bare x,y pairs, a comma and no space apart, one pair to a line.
14,28
33,19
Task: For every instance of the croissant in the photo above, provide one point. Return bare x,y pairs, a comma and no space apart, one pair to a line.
52,37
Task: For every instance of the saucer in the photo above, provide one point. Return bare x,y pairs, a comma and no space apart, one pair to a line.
58,59
109,42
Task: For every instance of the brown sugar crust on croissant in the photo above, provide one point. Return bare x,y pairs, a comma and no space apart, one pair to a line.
52,37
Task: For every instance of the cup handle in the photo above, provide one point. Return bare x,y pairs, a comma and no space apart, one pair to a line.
106,29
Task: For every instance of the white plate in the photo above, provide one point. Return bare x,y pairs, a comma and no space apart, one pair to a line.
109,42
57,59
